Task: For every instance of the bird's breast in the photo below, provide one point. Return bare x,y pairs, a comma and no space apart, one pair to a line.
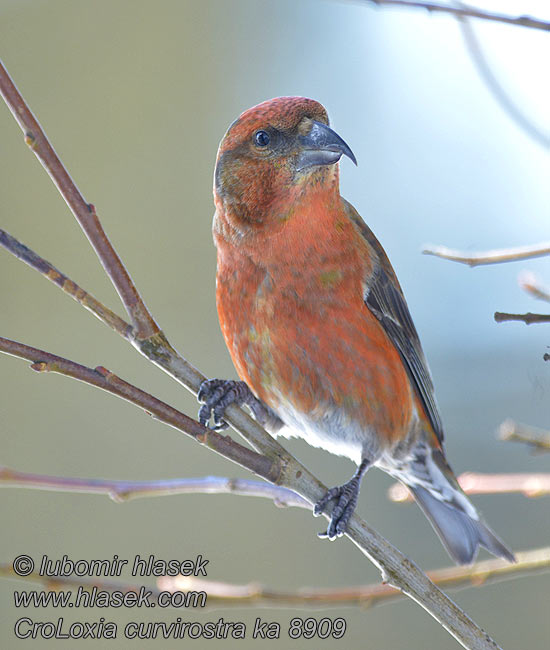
302,338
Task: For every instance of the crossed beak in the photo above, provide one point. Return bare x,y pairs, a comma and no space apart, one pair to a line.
321,146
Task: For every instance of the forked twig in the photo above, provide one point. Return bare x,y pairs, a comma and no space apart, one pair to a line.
497,256
84,213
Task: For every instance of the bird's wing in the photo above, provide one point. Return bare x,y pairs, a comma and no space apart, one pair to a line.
385,300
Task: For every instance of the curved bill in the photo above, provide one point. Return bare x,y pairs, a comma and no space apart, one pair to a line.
322,146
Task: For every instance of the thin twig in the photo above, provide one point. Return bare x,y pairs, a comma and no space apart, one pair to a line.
504,99
72,289
467,12
223,594
478,574
102,378
122,491
497,256
528,484
530,283
84,212
529,318
539,439
396,569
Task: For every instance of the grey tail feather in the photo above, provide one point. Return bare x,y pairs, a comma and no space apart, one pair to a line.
460,534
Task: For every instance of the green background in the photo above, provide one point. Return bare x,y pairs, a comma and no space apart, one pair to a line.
135,97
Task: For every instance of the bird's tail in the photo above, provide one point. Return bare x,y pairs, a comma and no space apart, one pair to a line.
450,512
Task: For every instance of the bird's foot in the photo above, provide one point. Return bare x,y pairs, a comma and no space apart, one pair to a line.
346,497
216,395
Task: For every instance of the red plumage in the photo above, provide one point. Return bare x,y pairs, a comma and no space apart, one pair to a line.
316,322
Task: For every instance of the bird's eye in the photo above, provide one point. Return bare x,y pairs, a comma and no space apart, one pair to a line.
261,138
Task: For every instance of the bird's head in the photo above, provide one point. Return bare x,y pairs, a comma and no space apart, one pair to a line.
274,150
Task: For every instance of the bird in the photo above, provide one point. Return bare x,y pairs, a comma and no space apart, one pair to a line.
317,325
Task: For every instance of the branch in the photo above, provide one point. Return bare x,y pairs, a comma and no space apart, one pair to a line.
478,574
539,439
396,569
529,318
84,212
530,283
467,12
72,289
122,491
101,378
509,106
528,484
223,594
497,256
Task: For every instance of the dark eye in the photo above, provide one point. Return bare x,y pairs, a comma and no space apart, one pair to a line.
261,138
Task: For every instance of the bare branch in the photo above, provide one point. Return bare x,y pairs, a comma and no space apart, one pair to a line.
156,348
497,256
528,484
478,574
90,303
84,212
530,283
504,99
539,439
396,569
223,594
467,12
529,318
122,491
101,378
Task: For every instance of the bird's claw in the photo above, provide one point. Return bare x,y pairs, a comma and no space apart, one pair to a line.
346,496
216,395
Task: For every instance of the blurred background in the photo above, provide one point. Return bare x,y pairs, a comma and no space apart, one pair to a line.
135,97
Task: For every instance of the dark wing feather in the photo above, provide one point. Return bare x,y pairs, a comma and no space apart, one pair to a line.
386,301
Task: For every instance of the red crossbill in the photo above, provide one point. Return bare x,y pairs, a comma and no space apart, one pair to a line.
316,322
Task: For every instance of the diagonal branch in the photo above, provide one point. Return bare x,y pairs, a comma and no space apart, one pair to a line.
530,283
72,289
503,98
84,212
101,378
396,570
478,574
467,12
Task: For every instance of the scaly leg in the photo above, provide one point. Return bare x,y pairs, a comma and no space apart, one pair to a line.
346,496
